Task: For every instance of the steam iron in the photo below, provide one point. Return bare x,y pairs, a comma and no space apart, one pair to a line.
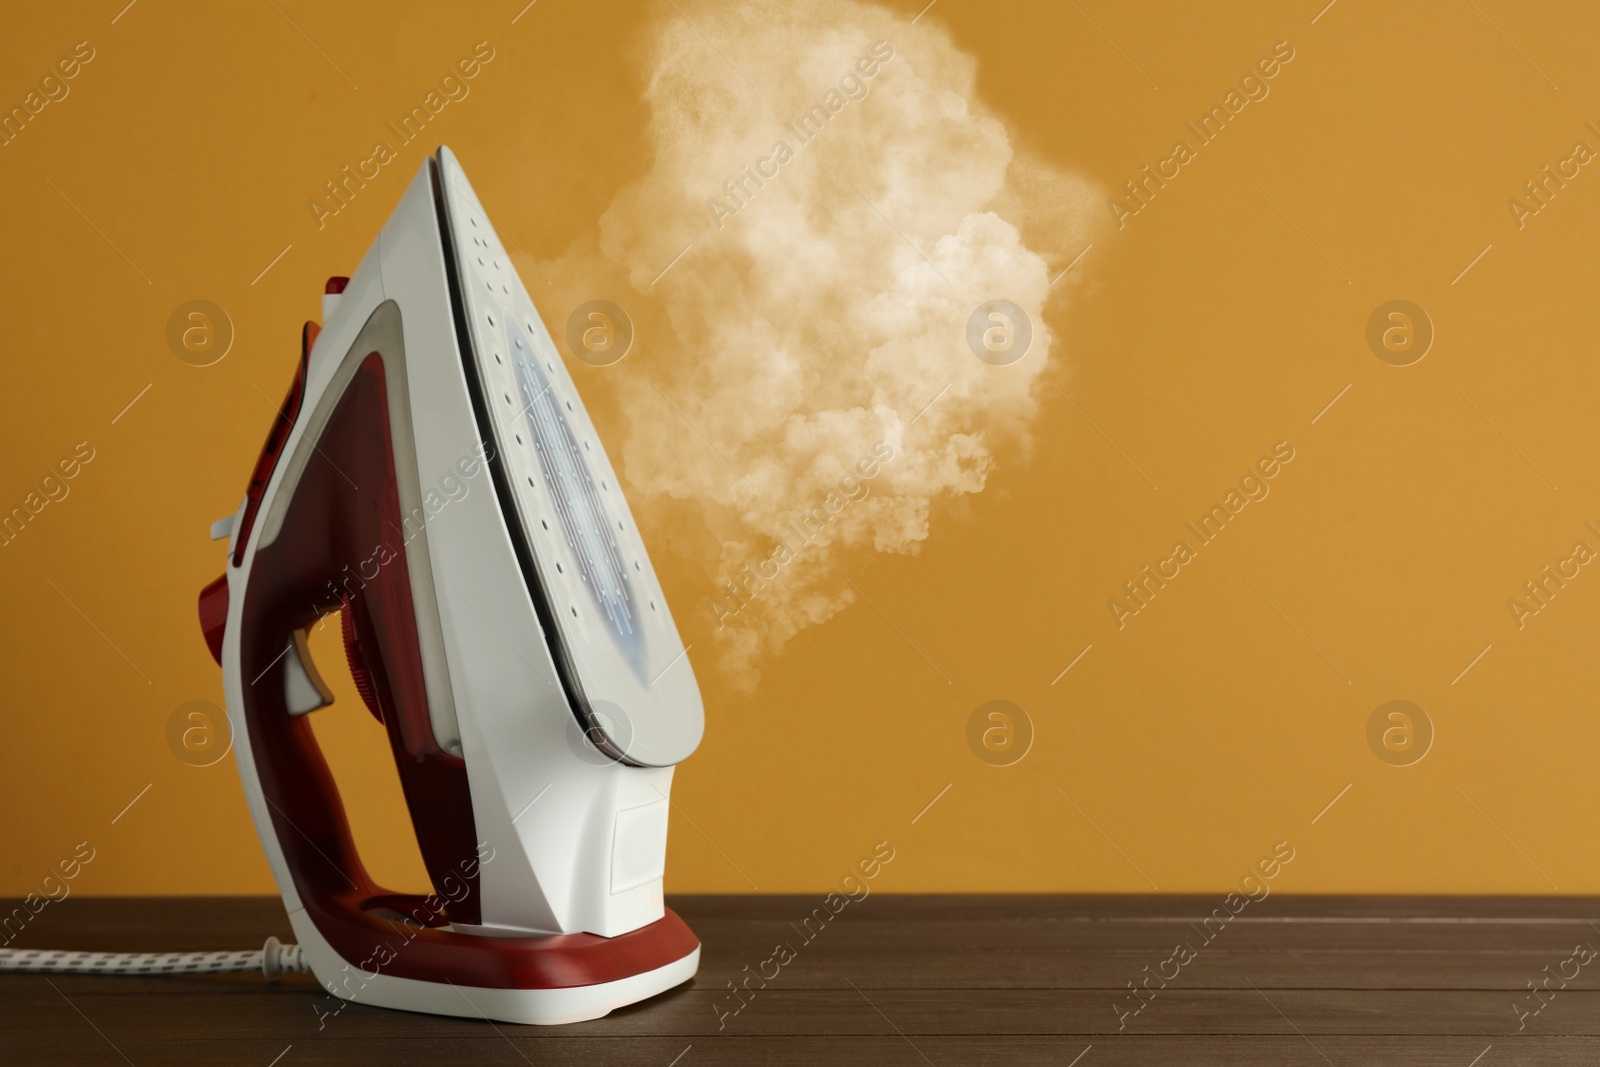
434,479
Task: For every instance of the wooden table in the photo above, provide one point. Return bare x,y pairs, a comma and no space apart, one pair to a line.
898,980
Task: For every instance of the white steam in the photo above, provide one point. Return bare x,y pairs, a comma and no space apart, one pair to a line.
828,310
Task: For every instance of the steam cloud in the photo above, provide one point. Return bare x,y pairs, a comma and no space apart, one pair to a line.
800,329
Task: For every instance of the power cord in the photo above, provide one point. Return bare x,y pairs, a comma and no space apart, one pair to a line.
272,959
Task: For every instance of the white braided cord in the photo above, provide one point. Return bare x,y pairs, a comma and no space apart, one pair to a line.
272,959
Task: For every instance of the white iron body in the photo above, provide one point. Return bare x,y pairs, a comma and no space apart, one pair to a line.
570,839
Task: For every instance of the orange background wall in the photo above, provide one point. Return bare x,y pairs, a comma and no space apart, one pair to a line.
1221,319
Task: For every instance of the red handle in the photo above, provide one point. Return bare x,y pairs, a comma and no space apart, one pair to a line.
341,511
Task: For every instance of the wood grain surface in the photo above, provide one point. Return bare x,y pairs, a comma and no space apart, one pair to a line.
894,980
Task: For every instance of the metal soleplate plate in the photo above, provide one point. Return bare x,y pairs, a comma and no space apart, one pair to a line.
621,661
